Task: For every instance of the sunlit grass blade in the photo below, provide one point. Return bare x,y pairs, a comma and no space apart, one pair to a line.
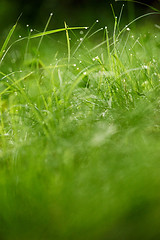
120,16
55,31
3,49
68,43
45,29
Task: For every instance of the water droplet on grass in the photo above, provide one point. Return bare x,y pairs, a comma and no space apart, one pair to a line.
81,32
145,67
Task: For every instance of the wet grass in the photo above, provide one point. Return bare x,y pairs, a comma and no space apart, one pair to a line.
79,135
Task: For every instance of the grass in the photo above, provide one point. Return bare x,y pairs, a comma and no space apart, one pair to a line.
79,135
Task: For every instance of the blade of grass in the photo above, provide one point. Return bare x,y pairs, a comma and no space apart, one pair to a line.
3,49
15,83
5,44
136,19
45,29
120,16
142,3
55,31
68,43
36,36
80,76
108,47
84,38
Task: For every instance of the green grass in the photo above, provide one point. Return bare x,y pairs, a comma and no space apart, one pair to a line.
80,134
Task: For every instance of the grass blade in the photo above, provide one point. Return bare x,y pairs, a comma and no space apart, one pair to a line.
142,3
68,43
55,31
3,49
45,29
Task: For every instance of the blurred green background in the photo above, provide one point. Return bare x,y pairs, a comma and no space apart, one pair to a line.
74,12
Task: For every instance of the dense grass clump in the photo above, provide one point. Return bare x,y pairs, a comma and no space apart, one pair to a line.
79,135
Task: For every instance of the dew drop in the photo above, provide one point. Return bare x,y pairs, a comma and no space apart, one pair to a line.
145,67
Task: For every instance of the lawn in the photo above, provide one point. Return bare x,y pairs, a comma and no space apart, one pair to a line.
80,134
